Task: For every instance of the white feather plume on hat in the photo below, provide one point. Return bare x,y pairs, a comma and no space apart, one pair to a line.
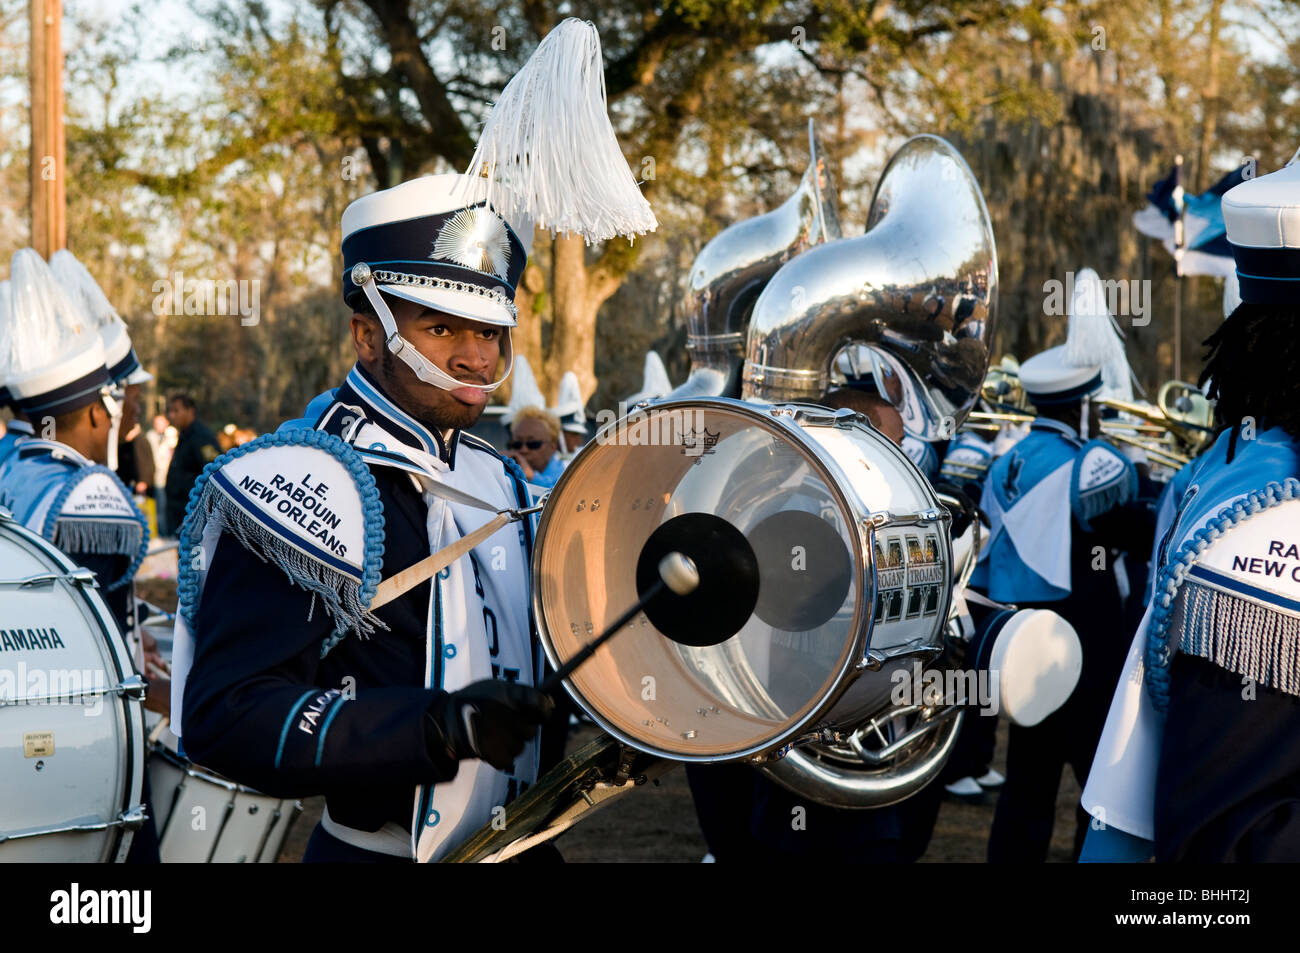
654,379
524,392
569,406
77,282
47,324
549,139
1093,340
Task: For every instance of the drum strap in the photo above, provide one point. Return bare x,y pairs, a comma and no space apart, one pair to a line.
410,577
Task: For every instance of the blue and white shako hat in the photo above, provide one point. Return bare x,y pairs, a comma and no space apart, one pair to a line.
1092,359
1262,219
434,240
548,157
123,363
56,362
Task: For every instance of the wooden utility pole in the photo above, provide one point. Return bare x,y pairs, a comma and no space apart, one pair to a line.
49,199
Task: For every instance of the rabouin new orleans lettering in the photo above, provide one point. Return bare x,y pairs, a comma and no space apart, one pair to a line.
299,505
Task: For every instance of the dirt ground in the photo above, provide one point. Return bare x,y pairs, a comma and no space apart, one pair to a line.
656,823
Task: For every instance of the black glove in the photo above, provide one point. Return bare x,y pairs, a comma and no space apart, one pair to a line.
491,720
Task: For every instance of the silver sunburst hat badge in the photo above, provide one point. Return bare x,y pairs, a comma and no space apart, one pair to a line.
476,238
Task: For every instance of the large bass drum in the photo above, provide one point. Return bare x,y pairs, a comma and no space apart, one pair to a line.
854,575
71,712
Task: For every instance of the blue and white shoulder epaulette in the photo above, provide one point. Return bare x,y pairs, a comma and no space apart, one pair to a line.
1231,594
93,513
303,500
1102,479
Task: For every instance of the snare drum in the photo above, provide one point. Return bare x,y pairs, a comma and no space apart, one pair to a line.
71,713
204,818
854,574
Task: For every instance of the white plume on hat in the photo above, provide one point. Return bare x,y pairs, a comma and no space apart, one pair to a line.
1093,340
569,400
79,283
52,339
549,139
654,380
569,405
524,392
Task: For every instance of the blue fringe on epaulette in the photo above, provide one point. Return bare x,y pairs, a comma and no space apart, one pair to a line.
1242,636
112,537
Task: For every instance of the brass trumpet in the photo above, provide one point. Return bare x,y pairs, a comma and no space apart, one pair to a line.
993,422
1185,429
1167,439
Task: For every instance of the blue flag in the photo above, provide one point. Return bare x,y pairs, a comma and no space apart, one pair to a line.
1205,242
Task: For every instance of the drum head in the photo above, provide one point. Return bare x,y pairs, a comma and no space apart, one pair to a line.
780,617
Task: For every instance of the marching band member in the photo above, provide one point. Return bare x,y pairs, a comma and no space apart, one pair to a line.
58,484
128,377
416,720
1059,506
1199,759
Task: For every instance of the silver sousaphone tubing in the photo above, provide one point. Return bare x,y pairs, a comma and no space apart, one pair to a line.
732,269
919,290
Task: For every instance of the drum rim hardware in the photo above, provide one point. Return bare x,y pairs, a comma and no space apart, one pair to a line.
130,819
133,687
79,576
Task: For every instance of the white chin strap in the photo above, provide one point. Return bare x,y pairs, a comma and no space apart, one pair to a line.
113,398
405,351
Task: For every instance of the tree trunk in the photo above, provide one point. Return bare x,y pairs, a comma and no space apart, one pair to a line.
578,292
1209,99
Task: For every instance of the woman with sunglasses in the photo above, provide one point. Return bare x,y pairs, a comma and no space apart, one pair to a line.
535,446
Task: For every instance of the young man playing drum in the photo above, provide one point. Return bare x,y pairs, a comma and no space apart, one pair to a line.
409,705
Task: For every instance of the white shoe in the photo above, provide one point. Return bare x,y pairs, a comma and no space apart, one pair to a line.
966,789
708,859
991,780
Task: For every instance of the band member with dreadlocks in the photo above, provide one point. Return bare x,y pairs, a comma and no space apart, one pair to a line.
1200,758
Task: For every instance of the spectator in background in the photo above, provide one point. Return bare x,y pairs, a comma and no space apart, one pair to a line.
162,441
196,447
535,445
135,459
